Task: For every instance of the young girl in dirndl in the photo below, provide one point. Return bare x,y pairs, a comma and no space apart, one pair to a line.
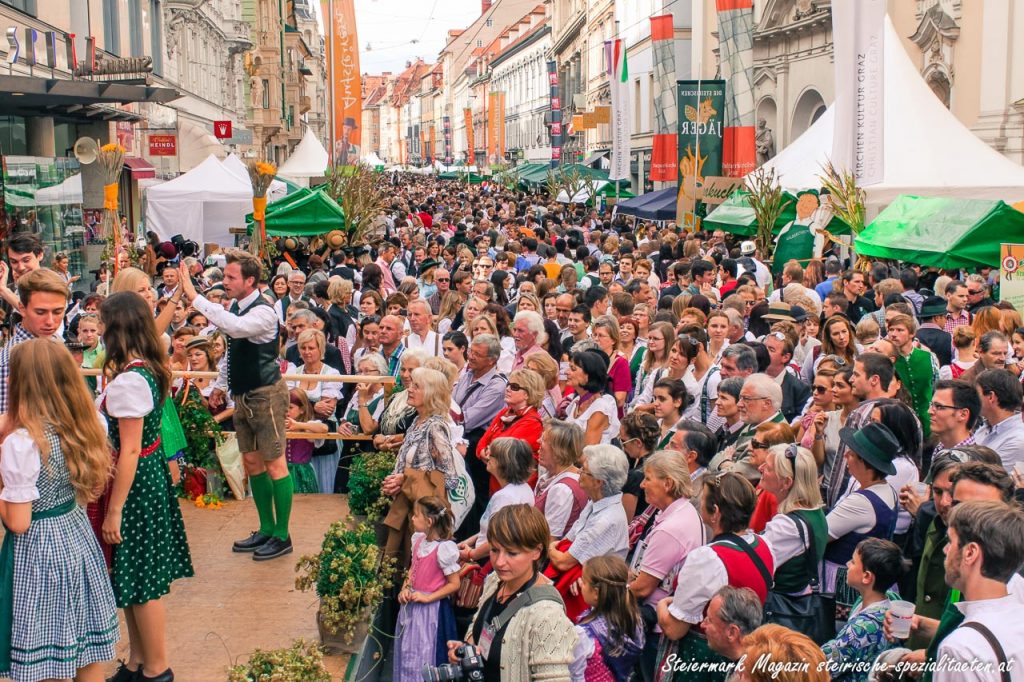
58,619
610,634
426,621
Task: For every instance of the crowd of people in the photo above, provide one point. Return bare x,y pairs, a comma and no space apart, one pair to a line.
681,467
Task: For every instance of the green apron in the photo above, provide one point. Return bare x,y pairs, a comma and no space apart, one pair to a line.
795,243
7,580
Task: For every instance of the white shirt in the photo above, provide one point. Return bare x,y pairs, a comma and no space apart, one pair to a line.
906,474
558,503
601,529
429,342
1006,438
1002,617
605,404
513,493
258,325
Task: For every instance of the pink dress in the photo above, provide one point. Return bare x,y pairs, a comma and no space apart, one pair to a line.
620,379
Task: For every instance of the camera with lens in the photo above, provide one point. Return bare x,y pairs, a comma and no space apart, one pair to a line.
469,667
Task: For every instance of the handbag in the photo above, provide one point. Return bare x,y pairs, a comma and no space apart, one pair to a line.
230,458
462,497
806,612
471,585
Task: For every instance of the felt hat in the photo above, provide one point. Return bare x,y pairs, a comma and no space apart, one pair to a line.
874,443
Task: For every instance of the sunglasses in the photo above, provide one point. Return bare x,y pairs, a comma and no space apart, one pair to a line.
820,389
442,279
758,445
512,386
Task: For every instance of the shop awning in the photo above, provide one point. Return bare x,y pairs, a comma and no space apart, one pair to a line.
31,96
594,158
140,168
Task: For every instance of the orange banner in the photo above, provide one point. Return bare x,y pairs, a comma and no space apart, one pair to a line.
492,126
501,125
423,144
470,142
433,145
603,115
343,73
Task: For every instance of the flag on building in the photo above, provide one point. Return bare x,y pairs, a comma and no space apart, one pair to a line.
736,57
663,156
701,106
858,144
467,114
618,78
344,79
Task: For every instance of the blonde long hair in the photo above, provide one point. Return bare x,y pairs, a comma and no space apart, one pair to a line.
47,392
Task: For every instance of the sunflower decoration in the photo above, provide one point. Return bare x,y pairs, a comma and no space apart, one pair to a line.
111,161
261,174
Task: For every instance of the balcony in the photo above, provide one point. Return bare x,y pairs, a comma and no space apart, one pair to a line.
239,36
305,104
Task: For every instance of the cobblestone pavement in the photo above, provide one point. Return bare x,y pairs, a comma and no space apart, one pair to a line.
234,604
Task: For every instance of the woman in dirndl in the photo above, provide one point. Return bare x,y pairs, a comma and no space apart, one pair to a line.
141,517
60,620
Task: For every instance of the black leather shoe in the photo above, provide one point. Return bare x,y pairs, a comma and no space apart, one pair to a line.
125,674
251,543
273,548
165,676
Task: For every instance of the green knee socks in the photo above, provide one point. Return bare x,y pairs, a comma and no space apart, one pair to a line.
284,489
263,496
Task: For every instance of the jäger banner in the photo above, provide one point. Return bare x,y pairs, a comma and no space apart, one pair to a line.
343,73
467,114
701,106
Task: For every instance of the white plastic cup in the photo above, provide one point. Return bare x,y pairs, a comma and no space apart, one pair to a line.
902,618
922,490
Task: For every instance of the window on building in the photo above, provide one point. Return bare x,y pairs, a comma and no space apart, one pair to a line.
13,137
112,26
26,6
266,93
489,22
135,29
479,43
157,37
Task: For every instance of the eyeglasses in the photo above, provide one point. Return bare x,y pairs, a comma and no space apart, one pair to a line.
758,445
749,398
939,406
515,387
975,292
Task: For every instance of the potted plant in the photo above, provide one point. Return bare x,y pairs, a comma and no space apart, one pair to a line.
366,476
350,575
302,662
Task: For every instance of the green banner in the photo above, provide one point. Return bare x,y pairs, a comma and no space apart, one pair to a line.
701,122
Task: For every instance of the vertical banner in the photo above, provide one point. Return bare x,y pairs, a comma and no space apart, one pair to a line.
663,161
736,57
556,114
1011,274
501,127
492,127
344,80
618,80
859,46
467,114
433,145
447,123
701,106
423,144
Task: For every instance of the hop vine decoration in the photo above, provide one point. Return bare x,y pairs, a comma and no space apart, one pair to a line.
302,662
364,483
350,575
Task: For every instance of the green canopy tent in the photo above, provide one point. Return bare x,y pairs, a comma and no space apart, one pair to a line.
474,179
311,213
735,215
942,232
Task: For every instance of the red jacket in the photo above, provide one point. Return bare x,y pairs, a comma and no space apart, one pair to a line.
527,427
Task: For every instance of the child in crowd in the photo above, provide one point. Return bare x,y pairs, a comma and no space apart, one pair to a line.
299,451
54,458
876,565
92,349
426,621
610,634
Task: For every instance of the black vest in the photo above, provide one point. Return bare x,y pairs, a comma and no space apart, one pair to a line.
251,365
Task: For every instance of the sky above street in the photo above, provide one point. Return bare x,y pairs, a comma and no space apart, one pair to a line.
398,31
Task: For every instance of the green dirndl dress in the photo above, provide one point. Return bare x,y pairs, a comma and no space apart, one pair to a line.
154,550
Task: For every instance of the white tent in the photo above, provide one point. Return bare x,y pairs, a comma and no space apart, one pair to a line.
237,167
201,205
67,192
372,160
308,160
928,152
582,195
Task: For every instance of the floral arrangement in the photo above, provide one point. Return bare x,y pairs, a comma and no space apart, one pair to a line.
202,432
366,477
110,160
208,501
261,174
350,575
302,662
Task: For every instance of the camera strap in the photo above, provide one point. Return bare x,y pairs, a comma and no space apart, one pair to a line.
533,595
